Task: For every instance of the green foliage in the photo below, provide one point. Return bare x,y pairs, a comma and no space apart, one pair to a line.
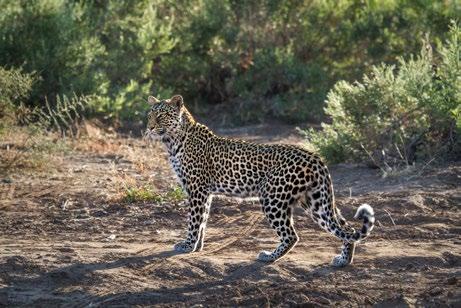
176,194
106,49
141,194
146,194
259,59
15,88
397,114
278,58
47,37
24,147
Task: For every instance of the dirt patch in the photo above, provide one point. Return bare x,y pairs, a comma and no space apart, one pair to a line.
67,240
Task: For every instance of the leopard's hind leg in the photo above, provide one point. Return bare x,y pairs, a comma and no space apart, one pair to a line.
320,204
279,214
346,256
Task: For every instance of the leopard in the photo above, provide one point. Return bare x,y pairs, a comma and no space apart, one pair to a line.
279,176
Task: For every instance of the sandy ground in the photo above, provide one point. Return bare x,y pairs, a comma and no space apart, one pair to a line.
67,239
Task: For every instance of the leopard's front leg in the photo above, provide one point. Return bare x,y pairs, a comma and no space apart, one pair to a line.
199,205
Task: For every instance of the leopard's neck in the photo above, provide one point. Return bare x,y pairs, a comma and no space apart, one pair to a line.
175,143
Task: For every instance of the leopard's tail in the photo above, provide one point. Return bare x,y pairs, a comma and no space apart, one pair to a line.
367,214
340,228
324,212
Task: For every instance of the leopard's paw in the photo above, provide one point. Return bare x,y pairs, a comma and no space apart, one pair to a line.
339,261
183,247
266,256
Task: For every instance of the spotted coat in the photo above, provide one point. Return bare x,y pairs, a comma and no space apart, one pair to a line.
280,176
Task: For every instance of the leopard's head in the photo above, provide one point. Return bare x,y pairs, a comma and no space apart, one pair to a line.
167,117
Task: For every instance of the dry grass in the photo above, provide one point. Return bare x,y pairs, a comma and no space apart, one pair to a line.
137,171
136,166
131,188
25,149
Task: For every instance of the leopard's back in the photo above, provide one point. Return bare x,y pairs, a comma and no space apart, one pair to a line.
238,168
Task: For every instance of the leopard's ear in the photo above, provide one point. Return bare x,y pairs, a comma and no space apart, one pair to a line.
177,101
152,100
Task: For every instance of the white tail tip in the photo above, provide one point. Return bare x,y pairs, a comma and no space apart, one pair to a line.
364,210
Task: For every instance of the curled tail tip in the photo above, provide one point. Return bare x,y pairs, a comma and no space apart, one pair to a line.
365,210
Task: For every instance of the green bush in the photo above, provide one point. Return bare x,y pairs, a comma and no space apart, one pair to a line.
277,59
397,114
48,37
260,59
15,88
104,49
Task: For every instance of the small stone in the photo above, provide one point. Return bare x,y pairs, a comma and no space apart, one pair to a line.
395,301
99,213
452,259
322,300
65,249
452,280
82,216
435,291
307,304
7,181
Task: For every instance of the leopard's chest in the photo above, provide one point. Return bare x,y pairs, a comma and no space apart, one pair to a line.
177,166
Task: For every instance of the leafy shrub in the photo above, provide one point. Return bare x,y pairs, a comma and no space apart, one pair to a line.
280,85
15,88
397,114
259,59
141,194
25,147
278,58
47,37
105,49
176,194
144,193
